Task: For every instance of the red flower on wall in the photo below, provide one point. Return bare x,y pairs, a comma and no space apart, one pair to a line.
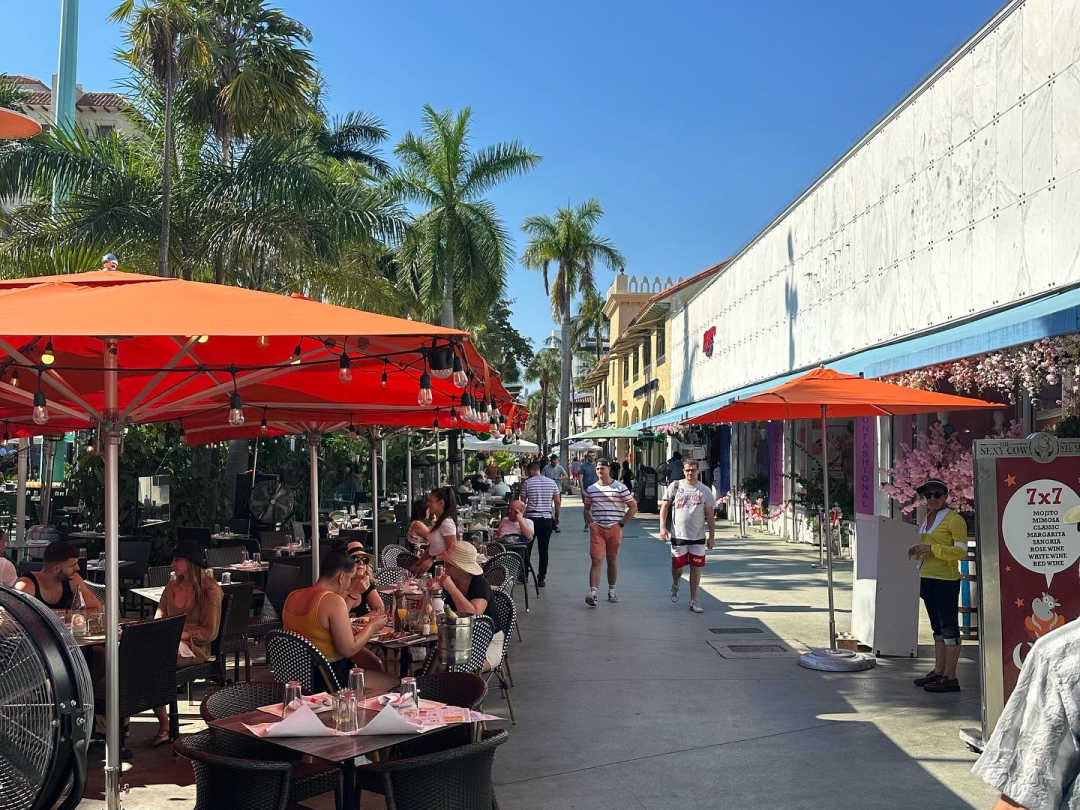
707,343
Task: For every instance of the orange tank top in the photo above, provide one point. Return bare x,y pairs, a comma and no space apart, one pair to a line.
308,626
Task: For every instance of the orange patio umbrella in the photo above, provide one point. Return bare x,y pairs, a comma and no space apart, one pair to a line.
16,125
824,393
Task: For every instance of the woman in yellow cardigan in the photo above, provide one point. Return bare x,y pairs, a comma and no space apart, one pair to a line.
942,544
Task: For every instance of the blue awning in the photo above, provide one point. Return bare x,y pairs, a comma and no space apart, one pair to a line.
1056,314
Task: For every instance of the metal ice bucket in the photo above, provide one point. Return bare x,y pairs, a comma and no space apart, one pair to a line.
455,641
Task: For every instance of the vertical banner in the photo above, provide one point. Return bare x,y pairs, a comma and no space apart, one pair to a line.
1028,509
865,466
776,464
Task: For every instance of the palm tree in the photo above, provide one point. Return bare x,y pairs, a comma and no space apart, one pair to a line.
544,368
568,240
590,322
165,42
10,95
458,249
353,136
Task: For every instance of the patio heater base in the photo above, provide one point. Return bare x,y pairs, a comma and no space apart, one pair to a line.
835,660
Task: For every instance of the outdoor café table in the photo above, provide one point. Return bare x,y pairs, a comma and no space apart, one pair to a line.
98,639
98,567
399,651
341,751
228,537
150,594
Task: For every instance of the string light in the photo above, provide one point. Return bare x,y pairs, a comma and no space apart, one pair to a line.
382,380
47,356
440,362
423,397
296,355
263,341
460,380
236,405
41,406
15,378
435,422
344,369
204,338
263,427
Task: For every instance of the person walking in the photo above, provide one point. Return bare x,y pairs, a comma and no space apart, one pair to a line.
543,505
608,505
627,475
942,544
556,471
689,505
674,467
588,475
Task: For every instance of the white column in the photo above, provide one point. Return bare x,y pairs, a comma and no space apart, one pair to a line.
111,440
313,457
20,492
408,465
374,500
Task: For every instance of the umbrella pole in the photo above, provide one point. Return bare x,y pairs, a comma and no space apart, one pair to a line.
374,499
111,435
827,533
20,494
408,465
382,461
313,457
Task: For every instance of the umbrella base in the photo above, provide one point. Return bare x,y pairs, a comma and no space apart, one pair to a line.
835,660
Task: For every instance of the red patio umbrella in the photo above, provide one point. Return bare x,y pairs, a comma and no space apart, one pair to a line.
824,393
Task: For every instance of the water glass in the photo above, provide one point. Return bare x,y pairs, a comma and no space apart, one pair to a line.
292,693
410,703
345,712
226,578
243,555
357,684
257,556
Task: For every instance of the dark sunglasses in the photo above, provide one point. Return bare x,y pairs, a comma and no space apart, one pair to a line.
934,493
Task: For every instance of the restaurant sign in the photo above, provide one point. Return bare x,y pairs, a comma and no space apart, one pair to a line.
1027,501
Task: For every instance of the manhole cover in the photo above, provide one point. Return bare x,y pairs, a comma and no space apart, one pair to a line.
775,650
731,631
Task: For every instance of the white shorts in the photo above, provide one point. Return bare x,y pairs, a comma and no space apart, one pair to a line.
688,554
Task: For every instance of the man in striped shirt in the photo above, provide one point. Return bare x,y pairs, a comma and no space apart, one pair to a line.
543,503
608,505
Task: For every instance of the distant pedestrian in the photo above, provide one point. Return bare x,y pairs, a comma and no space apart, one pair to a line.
674,467
589,476
543,504
690,506
627,474
554,470
608,505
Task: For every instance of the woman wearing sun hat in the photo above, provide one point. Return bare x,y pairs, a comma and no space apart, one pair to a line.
942,544
463,581
362,597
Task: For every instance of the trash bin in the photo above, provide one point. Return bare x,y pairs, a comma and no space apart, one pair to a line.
645,489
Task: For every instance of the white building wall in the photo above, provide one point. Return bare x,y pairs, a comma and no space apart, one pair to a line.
963,200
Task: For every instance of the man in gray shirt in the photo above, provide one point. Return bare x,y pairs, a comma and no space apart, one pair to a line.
690,505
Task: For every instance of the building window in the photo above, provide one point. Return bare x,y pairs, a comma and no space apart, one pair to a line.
636,366
625,371
661,348
646,355
105,129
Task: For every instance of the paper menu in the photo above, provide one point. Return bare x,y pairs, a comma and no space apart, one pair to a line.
318,703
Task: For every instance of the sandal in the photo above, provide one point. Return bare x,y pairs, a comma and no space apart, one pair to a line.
161,738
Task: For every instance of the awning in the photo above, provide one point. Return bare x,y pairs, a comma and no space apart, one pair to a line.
1055,314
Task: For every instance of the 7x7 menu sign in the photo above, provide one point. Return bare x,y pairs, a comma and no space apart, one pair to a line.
1027,501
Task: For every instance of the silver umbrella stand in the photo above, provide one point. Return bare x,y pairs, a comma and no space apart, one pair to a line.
313,441
374,495
831,659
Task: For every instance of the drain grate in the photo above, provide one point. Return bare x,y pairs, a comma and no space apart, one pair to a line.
777,649
757,648
731,631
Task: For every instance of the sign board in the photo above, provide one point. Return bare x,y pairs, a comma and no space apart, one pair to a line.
1029,542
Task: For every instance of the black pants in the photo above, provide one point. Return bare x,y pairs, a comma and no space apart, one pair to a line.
941,598
542,526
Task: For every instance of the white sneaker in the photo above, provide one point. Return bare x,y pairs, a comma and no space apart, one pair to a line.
696,608
611,597
675,592
590,599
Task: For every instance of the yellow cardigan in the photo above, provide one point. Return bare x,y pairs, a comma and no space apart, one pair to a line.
948,545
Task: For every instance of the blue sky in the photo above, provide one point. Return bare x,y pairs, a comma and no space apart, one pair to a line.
693,123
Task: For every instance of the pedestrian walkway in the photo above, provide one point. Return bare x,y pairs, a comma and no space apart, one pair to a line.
631,705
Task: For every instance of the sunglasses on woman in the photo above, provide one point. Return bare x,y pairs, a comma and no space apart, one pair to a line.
934,493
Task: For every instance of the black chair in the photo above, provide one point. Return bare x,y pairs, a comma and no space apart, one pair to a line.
232,638
238,525
97,590
458,777
197,534
270,539
518,545
26,567
147,667
157,576
492,548
281,580
235,604
407,560
309,779
303,565
225,782
291,657
496,575
223,556
136,552
505,618
483,630
387,577
454,688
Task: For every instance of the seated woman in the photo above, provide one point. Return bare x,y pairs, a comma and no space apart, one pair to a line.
362,597
194,594
442,536
320,614
463,582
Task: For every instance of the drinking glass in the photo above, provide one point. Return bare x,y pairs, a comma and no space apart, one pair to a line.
410,704
257,556
357,684
243,555
226,578
292,692
345,712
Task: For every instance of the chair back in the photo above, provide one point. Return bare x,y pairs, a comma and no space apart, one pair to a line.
138,552
385,577
269,539
235,610
197,534
483,630
512,563
157,576
302,564
505,617
458,777
224,555
147,664
493,548
27,566
240,698
407,560
238,525
496,575
389,554
454,688
97,590
233,783
281,580
291,657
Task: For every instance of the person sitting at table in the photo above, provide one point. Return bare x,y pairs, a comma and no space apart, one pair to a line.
442,536
58,580
463,583
362,597
515,522
8,575
500,490
320,613
193,594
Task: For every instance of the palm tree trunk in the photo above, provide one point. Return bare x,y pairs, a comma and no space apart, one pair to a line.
567,358
447,318
166,172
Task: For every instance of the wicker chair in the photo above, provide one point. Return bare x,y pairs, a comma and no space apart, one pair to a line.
389,554
225,555
386,577
496,576
483,630
232,637
147,666
291,657
157,576
407,560
97,589
225,782
522,548
280,581
505,620
309,779
493,548
235,606
458,777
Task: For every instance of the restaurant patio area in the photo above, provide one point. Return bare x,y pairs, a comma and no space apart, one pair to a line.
639,705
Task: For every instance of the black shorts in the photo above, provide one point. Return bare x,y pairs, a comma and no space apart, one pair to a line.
942,600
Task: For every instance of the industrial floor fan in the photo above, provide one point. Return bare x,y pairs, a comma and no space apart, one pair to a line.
46,708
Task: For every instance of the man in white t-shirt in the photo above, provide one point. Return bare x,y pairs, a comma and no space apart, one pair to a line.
8,574
690,504
608,505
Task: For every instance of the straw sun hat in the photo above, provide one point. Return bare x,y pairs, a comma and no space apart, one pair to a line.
463,556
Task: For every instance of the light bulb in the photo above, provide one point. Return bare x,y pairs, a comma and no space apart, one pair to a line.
47,356
263,341
460,380
15,378
263,427
41,409
440,364
382,380
295,356
344,370
435,423
423,398
236,410
204,338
